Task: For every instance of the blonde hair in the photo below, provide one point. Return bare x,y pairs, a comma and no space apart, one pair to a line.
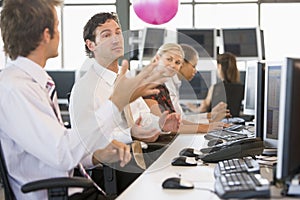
169,47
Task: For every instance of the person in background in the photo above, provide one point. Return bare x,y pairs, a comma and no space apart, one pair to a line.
35,143
228,73
186,72
171,56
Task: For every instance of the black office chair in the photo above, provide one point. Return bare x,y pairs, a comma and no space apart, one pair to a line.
57,187
230,93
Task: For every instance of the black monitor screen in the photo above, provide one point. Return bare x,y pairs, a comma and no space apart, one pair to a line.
243,77
203,40
241,42
198,87
288,163
153,38
259,103
271,107
64,81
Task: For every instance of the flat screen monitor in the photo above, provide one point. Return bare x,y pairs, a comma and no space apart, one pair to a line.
250,90
64,81
242,77
259,102
133,42
198,87
203,40
288,160
271,105
245,43
152,39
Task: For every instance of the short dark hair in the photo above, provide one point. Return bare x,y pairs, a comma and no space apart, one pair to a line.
95,21
189,52
23,22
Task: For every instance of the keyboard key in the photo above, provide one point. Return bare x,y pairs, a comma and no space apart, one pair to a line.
246,164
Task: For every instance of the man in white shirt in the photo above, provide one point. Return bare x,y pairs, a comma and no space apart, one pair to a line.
35,144
186,72
104,42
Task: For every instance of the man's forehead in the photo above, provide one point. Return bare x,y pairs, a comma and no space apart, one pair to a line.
109,25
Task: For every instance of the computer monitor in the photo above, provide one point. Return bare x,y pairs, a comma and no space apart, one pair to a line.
259,102
133,42
288,162
271,106
198,87
245,43
64,81
152,39
203,40
250,90
242,77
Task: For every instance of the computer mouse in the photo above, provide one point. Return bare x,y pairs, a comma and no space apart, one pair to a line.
214,142
189,152
184,161
177,183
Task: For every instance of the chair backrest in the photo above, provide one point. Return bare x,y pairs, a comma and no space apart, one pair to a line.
9,195
230,93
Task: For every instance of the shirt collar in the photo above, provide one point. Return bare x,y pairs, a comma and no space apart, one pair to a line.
34,70
176,79
106,74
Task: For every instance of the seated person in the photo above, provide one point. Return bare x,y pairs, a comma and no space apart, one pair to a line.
34,141
186,72
104,43
170,55
230,90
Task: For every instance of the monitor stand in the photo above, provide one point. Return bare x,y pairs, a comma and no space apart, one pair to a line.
270,152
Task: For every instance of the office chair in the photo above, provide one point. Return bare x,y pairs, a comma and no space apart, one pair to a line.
230,93
57,187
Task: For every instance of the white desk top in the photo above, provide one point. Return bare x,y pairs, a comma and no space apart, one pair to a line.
149,184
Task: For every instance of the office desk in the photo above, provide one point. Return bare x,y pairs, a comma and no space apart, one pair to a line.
149,184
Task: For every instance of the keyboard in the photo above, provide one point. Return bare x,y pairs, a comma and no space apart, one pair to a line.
242,185
234,127
246,164
225,135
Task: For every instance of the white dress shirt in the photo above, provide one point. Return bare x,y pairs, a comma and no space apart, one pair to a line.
36,146
173,84
88,94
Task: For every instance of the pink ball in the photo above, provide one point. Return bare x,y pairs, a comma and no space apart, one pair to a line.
155,11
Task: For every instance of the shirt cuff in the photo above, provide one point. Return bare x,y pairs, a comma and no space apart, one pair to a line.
123,135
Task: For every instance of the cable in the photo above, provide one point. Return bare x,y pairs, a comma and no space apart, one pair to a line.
206,189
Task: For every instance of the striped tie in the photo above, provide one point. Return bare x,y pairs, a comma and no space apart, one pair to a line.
86,175
50,86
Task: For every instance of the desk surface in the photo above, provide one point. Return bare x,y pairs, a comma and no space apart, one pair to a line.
149,184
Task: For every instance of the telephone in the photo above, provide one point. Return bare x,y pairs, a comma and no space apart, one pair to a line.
233,149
